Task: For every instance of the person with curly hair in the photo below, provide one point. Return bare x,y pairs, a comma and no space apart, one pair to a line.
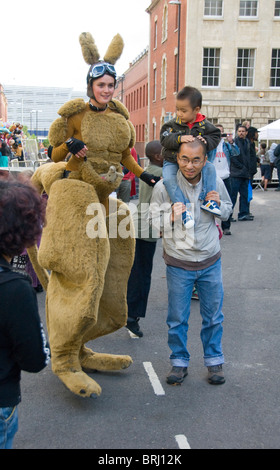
23,344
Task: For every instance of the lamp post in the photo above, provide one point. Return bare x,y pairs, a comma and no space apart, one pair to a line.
176,2
36,111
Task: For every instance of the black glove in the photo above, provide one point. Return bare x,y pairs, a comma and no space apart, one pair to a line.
74,145
50,148
147,178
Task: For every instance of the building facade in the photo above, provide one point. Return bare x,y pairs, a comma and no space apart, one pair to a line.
132,90
166,60
228,49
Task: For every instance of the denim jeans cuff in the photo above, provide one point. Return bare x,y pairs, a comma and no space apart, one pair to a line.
179,362
213,361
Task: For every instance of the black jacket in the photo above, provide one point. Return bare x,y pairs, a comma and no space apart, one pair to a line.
171,132
277,155
23,344
240,164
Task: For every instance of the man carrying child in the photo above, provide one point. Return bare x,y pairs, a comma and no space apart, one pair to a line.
195,258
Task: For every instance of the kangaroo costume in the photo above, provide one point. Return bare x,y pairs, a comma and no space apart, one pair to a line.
86,288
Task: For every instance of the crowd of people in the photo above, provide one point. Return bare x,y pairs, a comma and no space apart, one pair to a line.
11,143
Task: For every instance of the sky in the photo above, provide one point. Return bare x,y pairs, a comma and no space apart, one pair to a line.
40,40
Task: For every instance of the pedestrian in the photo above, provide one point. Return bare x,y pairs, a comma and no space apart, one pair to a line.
221,157
22,341
277,164
188,124
4,159
252,136
193,258
139,282
124,189
264,165
272,158
240,175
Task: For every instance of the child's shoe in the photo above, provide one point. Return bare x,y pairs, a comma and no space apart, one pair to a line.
211,206
188,219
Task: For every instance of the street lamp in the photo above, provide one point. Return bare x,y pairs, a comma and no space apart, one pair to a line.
36,111
176,2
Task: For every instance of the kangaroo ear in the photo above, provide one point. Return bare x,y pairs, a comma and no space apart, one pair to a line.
89,49
114,50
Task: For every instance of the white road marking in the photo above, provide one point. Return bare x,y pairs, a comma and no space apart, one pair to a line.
182,441
153,378
259,257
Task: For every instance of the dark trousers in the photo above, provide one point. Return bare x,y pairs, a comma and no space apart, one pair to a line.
240,185
139,282
226,223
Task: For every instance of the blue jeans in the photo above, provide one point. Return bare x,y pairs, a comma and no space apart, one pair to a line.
8,426
209,284
169,173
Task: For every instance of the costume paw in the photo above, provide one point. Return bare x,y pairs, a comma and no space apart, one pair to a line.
80,384
97,361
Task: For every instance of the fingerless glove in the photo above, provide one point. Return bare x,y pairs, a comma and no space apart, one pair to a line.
74,145
147,178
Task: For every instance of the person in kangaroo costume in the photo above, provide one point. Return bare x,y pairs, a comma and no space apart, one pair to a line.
87,285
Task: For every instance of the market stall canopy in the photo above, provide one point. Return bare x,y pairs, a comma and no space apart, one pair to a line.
270,132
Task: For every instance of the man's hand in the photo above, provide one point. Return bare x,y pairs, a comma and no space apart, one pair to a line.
213,196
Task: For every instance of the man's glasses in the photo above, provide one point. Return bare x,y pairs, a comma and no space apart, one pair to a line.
195,162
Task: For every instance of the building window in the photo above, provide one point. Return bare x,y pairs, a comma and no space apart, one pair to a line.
277,9
248,8
155,35
211,67
163,78
275,68
155,85
213,8
245,67
164,24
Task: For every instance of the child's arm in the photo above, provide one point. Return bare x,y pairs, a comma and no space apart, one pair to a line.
212,136
169,139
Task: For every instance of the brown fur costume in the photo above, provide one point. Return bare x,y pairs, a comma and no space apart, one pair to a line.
86,289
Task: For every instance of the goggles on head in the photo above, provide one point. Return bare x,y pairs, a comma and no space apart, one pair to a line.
98,70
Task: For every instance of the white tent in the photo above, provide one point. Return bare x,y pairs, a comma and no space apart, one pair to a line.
270,132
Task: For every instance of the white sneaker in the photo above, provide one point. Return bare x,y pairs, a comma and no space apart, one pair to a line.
211,206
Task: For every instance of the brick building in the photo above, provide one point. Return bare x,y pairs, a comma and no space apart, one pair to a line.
166,61
132,91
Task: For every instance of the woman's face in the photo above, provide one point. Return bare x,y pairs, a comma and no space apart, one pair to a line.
103,89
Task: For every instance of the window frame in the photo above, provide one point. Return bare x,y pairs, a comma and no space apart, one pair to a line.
252,17
242,68
210,15
277,9
208,67
276,68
